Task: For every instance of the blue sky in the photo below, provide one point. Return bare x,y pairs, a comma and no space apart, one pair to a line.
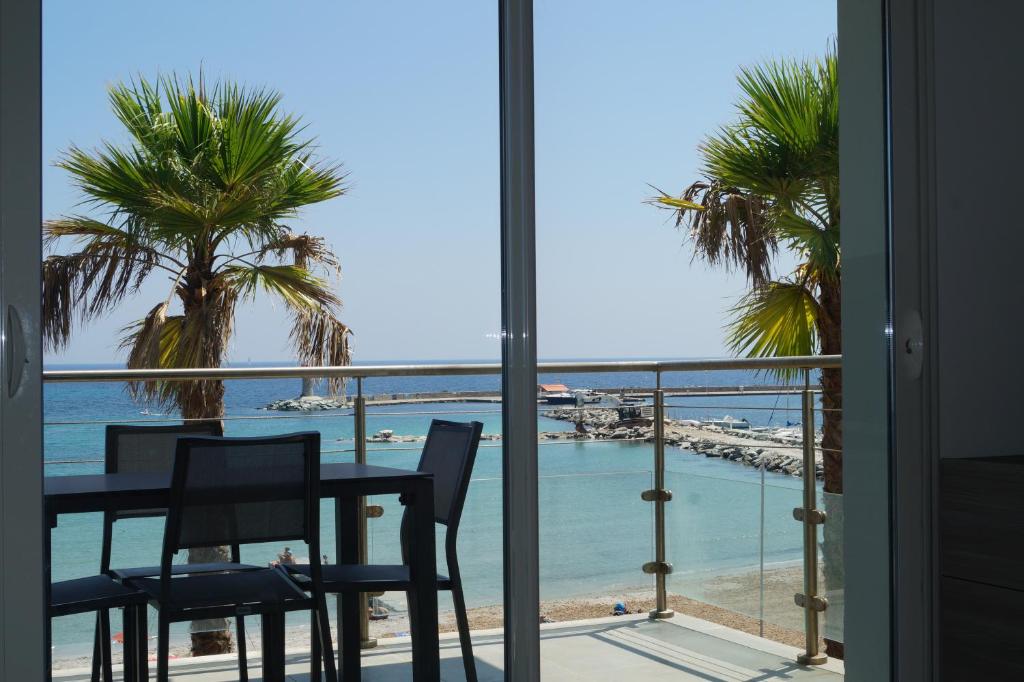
405,94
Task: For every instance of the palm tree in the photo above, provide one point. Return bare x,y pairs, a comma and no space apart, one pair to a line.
201,194
771,180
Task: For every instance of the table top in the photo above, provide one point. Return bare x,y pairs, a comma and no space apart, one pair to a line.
109,492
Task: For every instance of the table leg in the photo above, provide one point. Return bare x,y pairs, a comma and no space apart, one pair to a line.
347,531
273,647
51,523
423,575
130,644
142,636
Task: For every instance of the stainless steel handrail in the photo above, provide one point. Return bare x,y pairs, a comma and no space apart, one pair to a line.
369,371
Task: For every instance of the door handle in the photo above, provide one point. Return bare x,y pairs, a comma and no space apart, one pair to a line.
911,344
14,351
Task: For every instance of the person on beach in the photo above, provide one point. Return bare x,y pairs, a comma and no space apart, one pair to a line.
286,558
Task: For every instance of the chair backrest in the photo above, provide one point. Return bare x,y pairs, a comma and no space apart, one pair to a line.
235,491
148,449
449,454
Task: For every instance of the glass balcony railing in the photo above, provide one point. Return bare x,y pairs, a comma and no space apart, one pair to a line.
730,452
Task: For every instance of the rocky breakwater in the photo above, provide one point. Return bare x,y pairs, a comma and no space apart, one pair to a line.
387,436
778,450
310,403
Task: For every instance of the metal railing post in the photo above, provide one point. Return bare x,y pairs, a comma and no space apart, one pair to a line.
811,517
366,642
659,495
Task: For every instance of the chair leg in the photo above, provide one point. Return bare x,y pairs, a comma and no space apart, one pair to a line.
462,620
107,665
411,610
314,646
243,662
326,648
163,644
97,651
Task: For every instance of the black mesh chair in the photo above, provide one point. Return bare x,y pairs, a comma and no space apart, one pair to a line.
149,449
448,454
235,491
101,593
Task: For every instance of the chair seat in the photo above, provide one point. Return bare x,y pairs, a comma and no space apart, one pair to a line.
262,590
181,569
366,578
94,593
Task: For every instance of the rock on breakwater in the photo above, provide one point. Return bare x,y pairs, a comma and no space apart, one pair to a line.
312,403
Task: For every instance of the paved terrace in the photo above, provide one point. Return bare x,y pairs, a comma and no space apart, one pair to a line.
607,649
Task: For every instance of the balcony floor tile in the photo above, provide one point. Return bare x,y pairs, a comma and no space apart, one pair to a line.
608,649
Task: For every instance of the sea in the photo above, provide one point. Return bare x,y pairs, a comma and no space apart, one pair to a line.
595,531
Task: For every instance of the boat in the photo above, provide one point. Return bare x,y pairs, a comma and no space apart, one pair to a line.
382,436
578,397
728,422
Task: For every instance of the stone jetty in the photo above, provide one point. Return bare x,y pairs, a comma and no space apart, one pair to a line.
778,450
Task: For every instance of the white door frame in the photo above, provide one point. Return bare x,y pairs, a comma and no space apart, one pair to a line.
22,573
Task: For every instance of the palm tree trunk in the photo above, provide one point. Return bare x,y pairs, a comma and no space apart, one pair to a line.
832,456
205,400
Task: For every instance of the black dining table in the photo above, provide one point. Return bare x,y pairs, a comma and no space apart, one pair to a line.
347,484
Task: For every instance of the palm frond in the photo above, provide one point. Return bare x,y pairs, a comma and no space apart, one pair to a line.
728,227
818,247
777,320
142,339
677,204
306,251
321,340
254,138
109,265
296,286
304,181
196,339
772,175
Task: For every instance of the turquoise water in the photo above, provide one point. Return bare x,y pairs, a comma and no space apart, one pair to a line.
595,530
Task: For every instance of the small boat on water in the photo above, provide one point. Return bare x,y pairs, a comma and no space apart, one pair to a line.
382,436
583,396
728,422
